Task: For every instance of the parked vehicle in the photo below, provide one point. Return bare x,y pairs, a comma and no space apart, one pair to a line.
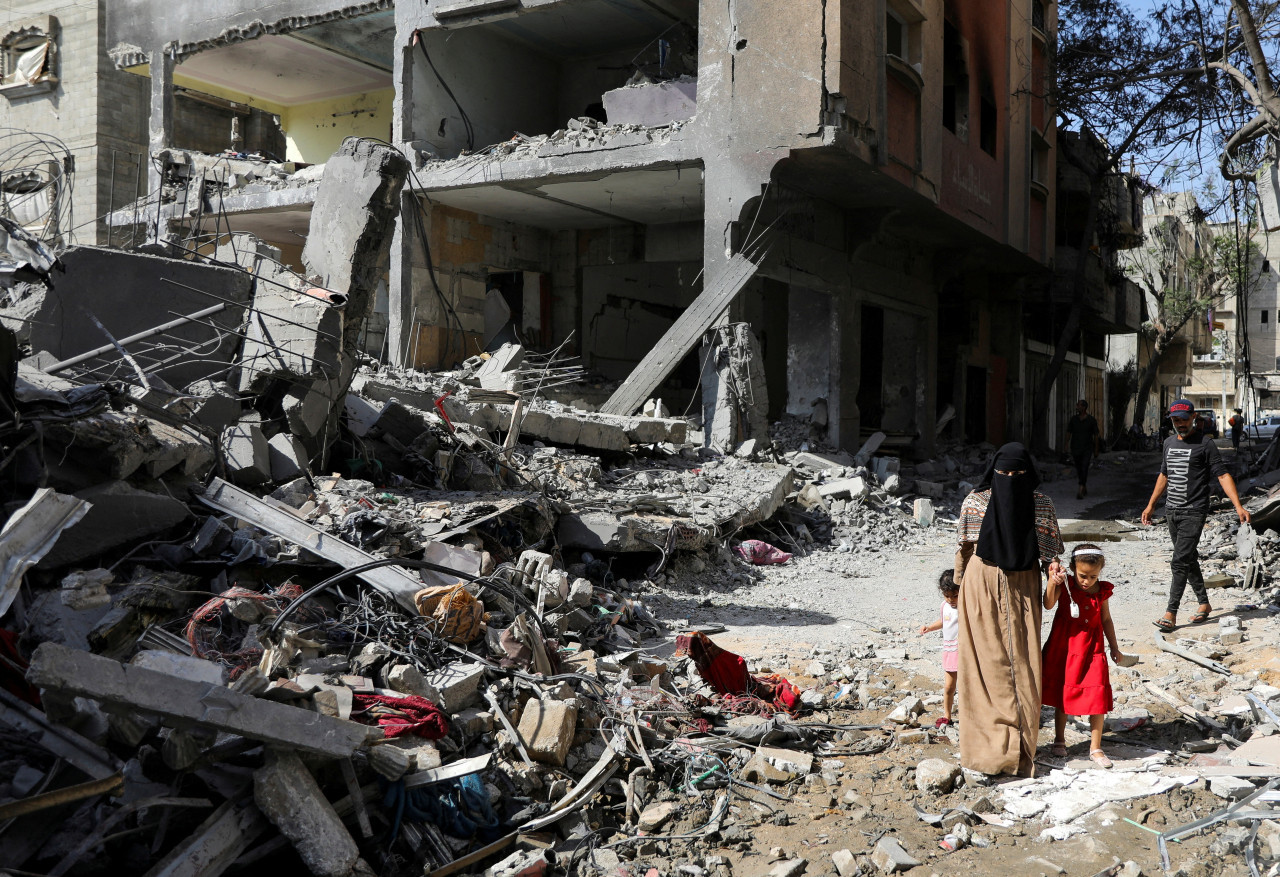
1264,428
1207,422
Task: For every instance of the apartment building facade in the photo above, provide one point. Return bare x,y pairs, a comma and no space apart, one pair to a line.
584,168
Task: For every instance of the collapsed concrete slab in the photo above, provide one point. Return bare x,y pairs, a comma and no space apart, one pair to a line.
129,293
652,103
119,445
246,454
120,514
77,673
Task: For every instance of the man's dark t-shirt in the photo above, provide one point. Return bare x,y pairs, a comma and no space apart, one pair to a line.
1188,463
1082,430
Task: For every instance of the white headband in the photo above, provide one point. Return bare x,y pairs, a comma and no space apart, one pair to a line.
1088,552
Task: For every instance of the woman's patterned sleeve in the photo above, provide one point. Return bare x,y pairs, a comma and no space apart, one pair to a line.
1048,535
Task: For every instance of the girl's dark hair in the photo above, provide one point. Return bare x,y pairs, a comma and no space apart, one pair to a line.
1088,558
947,582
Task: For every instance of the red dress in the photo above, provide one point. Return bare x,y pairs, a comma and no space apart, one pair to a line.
1075,677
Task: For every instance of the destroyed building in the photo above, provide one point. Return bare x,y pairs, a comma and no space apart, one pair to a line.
584,171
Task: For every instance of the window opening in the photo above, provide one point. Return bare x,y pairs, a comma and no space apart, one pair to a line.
955,83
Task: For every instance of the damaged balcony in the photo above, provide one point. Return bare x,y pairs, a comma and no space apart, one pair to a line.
599,78
253,122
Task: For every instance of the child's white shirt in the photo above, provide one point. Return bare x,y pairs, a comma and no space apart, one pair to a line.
950,623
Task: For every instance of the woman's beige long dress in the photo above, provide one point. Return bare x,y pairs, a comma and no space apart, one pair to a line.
999,650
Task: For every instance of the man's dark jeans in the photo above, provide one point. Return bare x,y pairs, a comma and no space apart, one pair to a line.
1082,462
1185,527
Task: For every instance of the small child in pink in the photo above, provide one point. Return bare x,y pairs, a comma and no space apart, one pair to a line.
948,622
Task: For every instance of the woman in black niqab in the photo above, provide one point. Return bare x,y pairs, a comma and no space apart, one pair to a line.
1008,535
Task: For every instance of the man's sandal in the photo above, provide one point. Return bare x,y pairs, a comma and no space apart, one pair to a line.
1058,750
1165,624
1098,757
1200,617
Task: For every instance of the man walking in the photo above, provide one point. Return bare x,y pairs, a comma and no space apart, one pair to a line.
1188,458
1237,429
1082,443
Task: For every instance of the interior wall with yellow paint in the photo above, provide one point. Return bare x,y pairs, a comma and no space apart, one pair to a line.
314,131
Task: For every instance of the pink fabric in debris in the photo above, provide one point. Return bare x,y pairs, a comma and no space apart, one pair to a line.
761,553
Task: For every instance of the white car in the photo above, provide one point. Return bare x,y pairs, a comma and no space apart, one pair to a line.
1264,428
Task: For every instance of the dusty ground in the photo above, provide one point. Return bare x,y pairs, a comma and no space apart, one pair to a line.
864,613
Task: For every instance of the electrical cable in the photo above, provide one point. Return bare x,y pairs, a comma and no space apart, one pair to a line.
466,120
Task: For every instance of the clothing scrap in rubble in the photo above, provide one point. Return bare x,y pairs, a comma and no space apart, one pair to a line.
761,553
401,716
727,673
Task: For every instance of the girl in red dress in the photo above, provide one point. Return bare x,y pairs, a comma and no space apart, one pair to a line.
1075,677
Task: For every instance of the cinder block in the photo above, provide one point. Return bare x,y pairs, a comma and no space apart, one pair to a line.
547,728
247,454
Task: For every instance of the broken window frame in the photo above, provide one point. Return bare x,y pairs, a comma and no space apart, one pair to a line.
19,42
955,82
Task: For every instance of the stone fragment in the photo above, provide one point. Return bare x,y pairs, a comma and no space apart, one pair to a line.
472,722
889,856
906,710
87,589
789,868
407,679
922,511
914,735
1230,788
457,686
547,727
936,776
854,489
846,864
246,453
217,406
657,815
581,593
288,795
789,760
931,489
531,863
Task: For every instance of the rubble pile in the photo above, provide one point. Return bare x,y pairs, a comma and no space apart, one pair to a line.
578,134
266,603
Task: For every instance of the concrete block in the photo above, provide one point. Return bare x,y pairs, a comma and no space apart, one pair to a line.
889,856
408,679
472,722
288,457
1230,788
307,409
288,795
846,488
581,592
657,815
922,511
86,589
246,453
931,489
547,729
789,760
846,864
457,686
936,776
603,437
120,514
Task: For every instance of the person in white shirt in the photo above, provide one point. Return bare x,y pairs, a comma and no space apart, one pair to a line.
948,621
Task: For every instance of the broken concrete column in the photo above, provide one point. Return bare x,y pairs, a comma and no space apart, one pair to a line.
288,795
246,453
735,401
352,223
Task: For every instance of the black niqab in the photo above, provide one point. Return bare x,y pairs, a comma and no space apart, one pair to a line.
1008,535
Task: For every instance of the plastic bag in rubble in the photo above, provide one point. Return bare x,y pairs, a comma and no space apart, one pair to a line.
761,553
459,617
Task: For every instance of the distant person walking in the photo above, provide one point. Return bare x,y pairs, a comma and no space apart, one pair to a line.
1082,443
1008,532
1237,423
1188,459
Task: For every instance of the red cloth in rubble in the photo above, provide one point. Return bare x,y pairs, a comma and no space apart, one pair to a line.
401,716
727,673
